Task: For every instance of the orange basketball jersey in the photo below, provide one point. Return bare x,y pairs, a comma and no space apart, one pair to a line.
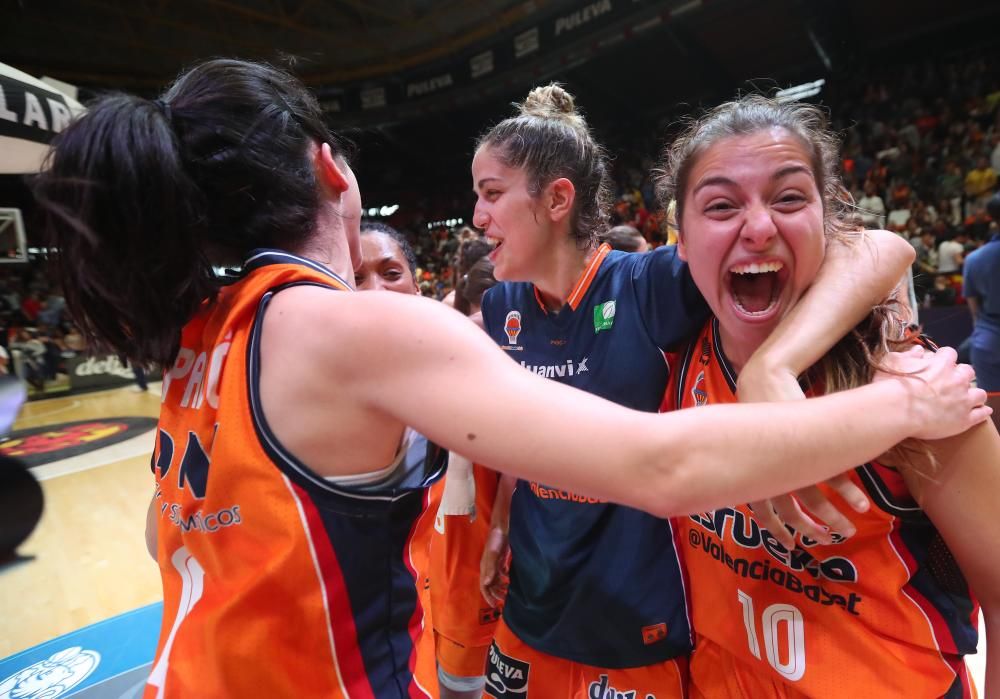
884,613
460,612
277,581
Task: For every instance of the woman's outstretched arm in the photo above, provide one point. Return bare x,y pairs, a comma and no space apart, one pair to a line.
390,359
432,370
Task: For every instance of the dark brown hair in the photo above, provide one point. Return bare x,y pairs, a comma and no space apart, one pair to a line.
624,237
142,198
470,252
477,281
748,115
854,359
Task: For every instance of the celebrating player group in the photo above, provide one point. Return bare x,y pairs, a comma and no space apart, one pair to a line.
730,467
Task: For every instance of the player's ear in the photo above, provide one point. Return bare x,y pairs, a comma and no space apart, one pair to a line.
681,248
329,171
560,195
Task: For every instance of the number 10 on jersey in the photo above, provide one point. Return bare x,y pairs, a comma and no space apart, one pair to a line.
783,635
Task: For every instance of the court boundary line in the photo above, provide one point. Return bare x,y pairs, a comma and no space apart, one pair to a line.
140,445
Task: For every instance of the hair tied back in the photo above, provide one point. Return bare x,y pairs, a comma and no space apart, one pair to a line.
163,108
552,102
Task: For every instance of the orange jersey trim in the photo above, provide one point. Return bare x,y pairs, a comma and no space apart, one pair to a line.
588,276
583,282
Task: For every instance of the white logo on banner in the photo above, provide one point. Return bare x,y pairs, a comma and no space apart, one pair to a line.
481,64
430,85
577,19
373,98
526,42
51,678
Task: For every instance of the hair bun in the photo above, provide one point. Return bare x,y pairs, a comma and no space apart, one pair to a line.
552,102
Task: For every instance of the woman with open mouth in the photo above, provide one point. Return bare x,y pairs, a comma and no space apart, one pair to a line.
596,600
284,504
883,607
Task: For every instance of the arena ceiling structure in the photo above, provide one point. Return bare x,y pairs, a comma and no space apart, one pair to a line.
142,44
392,60
426,75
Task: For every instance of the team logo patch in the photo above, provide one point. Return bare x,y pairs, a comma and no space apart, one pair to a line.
604,315
52,677
512,326
41,445
506,677
699,393
654,633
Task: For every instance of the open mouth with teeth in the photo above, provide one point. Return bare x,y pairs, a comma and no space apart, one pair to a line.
756,287
497,244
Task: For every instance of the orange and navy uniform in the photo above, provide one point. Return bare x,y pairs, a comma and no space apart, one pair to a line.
595,587
885,613
277,581
463,620
518,671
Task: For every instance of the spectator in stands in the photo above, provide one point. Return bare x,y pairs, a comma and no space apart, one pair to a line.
52,308
978,224
872,207
73,341
949,188
982,292
941,230
52,339
924,214
979,184
926,249
879,174
30,307
912,229
951,253
29,357
50,313
625,238
899,215
6,307
942,293
467,233
946,212
901,194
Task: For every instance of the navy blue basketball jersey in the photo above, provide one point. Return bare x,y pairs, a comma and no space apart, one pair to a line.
594,582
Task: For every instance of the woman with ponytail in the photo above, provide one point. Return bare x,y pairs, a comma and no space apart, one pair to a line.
596,600
284,505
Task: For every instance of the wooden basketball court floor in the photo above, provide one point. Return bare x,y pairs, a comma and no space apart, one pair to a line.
86,561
